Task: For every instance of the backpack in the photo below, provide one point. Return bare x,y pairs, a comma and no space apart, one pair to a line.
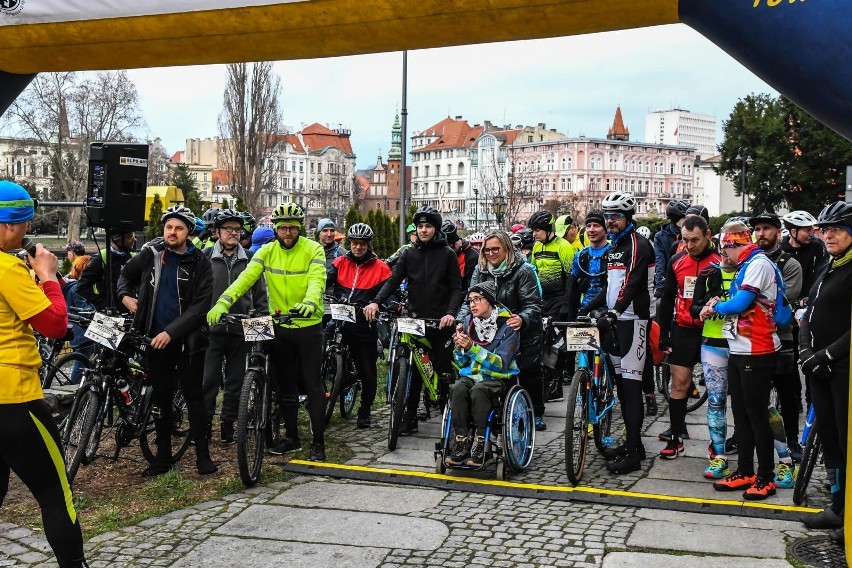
783,313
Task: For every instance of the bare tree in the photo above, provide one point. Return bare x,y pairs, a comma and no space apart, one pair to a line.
64,113
250,124
158,163
525,185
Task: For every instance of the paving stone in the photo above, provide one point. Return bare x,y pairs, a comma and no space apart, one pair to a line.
226,552
336,527
720,520
643,560
692,537
360,497
421,458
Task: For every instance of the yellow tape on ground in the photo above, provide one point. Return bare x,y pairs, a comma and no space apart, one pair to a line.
557,488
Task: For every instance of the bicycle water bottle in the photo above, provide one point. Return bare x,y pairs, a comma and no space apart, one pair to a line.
124,392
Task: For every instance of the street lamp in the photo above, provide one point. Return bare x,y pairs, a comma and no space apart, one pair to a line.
475,208
746,161
499,209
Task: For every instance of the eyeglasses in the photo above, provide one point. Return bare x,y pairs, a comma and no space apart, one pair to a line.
832,230
492,250
231,230
475,299
613,216
286,229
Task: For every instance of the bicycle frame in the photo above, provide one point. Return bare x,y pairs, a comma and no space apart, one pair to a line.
422,347
597,371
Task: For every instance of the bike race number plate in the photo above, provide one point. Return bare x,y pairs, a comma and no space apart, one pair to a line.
582,339
258,329
105,330
343,312
411,325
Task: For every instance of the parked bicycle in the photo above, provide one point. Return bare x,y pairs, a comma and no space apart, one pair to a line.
341,380
259,412
697,392
591,396
412,353
810,457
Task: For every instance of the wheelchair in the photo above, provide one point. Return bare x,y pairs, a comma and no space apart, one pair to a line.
509,435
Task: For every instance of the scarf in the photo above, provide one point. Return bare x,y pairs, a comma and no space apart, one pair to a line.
486,328
498,270
841,260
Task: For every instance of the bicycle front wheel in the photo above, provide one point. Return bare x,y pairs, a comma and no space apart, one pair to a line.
810,456
577,426
57,373
250,433
78,430
399,398
179,428
332,378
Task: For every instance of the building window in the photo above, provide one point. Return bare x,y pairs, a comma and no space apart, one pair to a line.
460,169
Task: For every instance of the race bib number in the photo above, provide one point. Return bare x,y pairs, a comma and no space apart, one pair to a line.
105,330
689,286
343,312
258,329
412,326
582,339
729,327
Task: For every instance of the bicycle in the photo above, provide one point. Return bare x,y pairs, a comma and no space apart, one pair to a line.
810,457
57,369
591,396
696,393
259,411
412,352
339,375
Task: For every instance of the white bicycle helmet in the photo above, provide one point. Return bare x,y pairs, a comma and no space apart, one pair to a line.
476,238
619,202
796,219
182,213
644,231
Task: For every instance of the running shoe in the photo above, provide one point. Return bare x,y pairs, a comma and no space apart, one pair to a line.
735,482
760,490
673,448
477,453
625,464
540,426
786,476
730,446
459,452
718,468
796,451
285,446
666,435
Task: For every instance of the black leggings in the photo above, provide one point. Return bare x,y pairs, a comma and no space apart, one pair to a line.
30,446
749,383
297,355
362,349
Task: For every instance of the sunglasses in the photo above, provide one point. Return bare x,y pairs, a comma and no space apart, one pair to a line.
613,216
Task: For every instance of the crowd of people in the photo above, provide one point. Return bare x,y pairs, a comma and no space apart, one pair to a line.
723,301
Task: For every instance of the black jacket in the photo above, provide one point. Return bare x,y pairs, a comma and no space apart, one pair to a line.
254,299
811,257
827,324
92,284
140,279
434,280
517,289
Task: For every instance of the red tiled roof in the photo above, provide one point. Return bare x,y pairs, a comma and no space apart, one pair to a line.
221,177
177,157
316,136
618,128
510,135
363,185
451,134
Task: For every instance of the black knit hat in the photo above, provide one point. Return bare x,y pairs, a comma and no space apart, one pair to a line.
596,217
487,289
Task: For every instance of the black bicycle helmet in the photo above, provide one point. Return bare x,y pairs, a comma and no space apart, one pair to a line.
699,210
360,231
527,238
542,220
839,213
225,215
676,210
428,214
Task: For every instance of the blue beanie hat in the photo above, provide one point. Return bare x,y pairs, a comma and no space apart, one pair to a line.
325,224
16,205
260,237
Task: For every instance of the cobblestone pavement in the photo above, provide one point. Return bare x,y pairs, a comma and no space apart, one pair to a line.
430,527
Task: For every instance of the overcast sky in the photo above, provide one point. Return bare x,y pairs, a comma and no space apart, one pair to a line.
573,84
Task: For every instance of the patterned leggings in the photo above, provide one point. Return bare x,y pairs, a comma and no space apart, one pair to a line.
714,360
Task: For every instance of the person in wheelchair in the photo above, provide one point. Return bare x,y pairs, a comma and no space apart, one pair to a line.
484,354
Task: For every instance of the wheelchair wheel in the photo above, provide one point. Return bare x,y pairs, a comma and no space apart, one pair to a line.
577,426
518,435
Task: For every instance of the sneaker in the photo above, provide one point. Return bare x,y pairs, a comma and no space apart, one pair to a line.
730,446
408,427
613,453
796,451
459,452
673,449
317,453
540,426
555,394
363,423
625,464
785,478
285,446
477,453
837,536
827,519
735,482
718,468
760,490
227,431
650,404
666,435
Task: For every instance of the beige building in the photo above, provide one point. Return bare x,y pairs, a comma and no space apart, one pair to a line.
26,161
